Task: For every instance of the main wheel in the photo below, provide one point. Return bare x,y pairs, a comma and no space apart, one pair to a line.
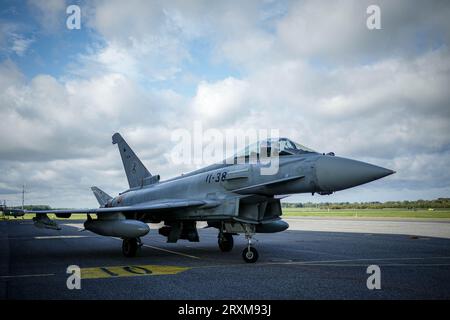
129,247
226,242
250,255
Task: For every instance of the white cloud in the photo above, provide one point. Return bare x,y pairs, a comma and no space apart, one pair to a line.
336,32
393,109
57,137
221,99
142,40
20,45
12,41
50,14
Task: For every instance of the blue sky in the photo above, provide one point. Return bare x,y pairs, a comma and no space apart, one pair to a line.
49,51
55,51
311,69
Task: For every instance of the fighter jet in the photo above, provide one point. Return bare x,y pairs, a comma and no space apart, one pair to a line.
232,196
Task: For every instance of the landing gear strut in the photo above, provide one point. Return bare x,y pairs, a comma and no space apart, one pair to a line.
225,242
250,254
130,246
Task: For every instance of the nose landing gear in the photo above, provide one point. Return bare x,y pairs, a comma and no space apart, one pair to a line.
225,238
250,254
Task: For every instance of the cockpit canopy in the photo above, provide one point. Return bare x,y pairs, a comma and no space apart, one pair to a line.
271,147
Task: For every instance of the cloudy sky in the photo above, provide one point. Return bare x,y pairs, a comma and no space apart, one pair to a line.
311,69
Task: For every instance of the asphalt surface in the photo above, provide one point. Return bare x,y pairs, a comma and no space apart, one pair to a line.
295,264
419,227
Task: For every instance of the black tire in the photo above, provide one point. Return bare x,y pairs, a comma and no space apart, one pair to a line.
250,256
226,242
129,247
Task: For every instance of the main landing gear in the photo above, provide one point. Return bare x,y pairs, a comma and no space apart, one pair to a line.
225,242
130,246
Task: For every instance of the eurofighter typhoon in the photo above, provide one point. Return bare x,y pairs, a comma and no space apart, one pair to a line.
232,196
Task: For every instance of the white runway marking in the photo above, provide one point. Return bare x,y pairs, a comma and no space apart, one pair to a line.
332,263
318,263
60,237
47,237
146,245
170,251
381,265
368,259
166,250
27,276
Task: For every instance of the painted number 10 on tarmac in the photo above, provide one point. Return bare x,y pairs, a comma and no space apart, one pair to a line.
129,271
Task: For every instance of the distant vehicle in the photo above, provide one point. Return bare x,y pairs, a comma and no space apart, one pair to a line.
235,198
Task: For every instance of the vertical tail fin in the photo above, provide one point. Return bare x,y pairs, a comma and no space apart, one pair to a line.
134,168
102,197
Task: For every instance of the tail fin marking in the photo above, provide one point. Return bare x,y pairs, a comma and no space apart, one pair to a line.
135,170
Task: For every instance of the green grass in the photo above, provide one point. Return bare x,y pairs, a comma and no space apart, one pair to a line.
393,213
312,212
76,216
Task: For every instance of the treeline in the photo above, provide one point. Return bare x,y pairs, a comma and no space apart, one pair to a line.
33,207
439,203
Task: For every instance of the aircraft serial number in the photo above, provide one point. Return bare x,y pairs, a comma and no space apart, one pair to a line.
216,177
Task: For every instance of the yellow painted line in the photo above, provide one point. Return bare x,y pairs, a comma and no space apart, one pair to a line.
129,271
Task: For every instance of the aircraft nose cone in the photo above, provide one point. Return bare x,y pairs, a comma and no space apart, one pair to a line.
335,173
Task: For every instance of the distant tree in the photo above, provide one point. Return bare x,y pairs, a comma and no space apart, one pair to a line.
440,203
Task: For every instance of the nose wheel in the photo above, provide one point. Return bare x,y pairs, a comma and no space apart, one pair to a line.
250,254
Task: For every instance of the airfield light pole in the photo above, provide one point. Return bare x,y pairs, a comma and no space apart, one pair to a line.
23,196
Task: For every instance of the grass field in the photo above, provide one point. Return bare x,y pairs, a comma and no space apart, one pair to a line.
53,217
364,213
